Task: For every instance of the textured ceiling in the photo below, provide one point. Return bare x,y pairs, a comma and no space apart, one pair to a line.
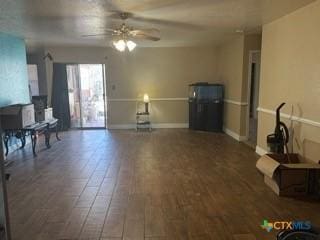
181,22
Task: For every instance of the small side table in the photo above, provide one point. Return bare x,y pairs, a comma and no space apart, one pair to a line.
142,117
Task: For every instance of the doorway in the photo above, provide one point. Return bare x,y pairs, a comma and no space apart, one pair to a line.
253,97
86,89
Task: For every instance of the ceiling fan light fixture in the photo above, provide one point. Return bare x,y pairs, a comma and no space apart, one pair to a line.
120,45
131,45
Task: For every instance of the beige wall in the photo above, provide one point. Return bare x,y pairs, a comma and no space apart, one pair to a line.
160,72
232,69
290,72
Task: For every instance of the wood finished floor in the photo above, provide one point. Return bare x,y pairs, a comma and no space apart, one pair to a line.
168,184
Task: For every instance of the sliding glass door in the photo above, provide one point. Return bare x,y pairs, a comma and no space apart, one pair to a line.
86,88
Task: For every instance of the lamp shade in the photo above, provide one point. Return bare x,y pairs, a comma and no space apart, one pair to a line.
146,98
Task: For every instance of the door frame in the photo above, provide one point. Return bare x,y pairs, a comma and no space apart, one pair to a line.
4,198
104,95
251,53
105,98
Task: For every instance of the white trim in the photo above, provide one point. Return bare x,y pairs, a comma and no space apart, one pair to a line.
243,138
170,125
156,126
234,135
122,100
169,99
291,117
236,102
260,151
151,99
121,126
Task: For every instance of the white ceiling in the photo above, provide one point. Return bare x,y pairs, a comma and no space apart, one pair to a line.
181,22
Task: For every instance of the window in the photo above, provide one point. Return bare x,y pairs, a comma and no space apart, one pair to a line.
33,79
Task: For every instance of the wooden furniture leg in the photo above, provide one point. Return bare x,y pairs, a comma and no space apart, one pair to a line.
23,139
34,142
47,135
6,138
57,133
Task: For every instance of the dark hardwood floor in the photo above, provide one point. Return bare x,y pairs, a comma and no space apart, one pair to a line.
168,184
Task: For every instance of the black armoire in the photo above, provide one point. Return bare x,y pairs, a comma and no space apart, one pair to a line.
206,107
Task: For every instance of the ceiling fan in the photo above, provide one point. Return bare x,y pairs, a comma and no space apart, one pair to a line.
124,34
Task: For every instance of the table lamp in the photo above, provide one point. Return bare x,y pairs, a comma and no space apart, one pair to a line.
146,101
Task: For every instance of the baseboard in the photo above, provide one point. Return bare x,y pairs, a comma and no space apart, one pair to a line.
243,138
234,135
170,125
260,151
121,126
156,125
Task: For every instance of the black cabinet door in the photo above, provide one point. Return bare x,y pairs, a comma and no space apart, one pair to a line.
206,116
201,116
215,116
192,114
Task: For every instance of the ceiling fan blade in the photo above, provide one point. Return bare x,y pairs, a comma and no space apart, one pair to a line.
96,35
147,37
111,32
143,35
149,31
152,5
120,15
167,23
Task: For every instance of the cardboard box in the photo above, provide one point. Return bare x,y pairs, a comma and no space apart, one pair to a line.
17,116
290,175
